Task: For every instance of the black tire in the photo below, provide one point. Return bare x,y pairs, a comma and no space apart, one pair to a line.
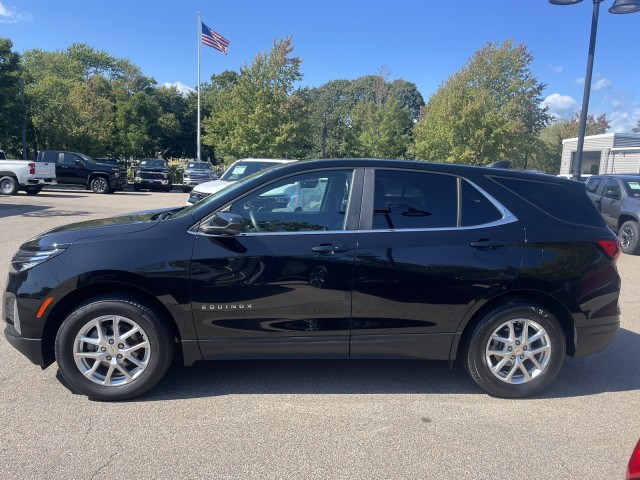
33,189
186,189
516,356
628,235
8,185
100,185
168,188
144,355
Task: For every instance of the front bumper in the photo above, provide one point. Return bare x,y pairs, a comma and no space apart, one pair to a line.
119,182
29,347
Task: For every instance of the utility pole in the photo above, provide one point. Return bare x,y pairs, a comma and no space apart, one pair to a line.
24,121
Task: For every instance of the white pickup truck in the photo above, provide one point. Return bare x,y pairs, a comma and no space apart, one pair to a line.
27,175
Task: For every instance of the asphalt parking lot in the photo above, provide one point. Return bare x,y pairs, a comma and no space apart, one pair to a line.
311,419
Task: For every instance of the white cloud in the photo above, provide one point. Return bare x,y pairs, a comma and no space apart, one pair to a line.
182,88
580,81
561,106
624,122
601,83
11,15
556,68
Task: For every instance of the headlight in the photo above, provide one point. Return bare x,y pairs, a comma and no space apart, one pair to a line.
26,259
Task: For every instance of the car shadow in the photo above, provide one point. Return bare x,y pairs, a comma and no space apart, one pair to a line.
613,370
37,211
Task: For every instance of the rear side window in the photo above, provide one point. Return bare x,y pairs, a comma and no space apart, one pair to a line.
566,202
476,208
50,157
407,200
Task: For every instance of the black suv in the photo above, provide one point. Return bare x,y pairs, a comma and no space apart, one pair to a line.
505,271
617,198
73,168
152,174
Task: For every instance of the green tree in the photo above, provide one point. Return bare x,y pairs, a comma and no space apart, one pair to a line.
487,111
548,155
262,113
137,125
637,128
11,112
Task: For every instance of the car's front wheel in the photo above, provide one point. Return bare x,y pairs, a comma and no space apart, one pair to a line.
33,189
113,348
100,185
628,235
516,350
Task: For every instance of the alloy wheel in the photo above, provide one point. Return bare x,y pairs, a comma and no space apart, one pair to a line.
111,350
518,351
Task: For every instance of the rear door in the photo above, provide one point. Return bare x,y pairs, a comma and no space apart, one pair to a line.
430,246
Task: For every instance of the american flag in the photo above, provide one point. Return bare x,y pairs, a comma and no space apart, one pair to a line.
213,39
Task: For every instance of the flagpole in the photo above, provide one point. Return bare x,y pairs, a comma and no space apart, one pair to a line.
199,33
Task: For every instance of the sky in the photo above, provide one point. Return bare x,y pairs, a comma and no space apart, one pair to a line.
421,41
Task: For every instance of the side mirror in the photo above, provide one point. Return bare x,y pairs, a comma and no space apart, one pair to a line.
612,194
224,224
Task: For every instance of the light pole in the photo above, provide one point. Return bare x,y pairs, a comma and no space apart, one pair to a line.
619,6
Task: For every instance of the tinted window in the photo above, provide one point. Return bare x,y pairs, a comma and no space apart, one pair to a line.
409,199
476,208
152,163
50,157
199,165
310,202
612,189
593,184
70,158
567,202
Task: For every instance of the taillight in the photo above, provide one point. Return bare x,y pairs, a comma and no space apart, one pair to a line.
633,471
32,168
610,246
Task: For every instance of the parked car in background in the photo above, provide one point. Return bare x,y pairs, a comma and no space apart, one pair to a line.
196,173
27,175
504,271
633,469
152,174
237,171
73,168
617,198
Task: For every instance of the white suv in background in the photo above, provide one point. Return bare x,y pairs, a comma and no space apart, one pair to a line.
237,171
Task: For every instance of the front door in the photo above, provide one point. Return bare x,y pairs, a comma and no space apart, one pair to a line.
283,287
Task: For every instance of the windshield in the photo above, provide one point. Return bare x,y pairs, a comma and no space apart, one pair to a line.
212,198
633,188
152,163
241,170
86,158
199,165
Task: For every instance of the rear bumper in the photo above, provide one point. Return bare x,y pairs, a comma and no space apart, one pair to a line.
593,338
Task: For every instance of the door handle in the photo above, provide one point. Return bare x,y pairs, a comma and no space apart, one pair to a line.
329,249
488,244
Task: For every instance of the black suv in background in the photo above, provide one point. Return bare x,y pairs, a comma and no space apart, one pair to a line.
617,198
353,258
152,174
73,168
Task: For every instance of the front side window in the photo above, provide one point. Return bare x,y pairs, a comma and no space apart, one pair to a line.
314,201
612,189
70,159
593,184
410,199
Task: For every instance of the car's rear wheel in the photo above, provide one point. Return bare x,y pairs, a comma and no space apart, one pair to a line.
33,189
100,185
8,185
113,349
516,350
628,235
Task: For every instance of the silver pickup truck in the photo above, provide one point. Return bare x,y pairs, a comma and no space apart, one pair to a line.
27,175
